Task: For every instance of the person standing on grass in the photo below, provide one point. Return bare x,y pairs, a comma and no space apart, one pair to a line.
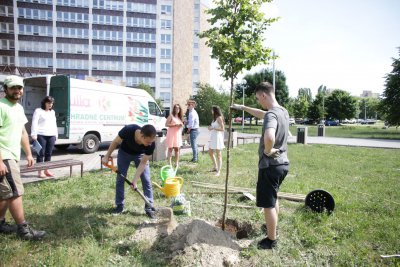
273,160
137,144
193,128
217,129
174,134
13,135
44,130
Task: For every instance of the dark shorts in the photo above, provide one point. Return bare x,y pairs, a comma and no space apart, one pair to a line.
11,184
269,180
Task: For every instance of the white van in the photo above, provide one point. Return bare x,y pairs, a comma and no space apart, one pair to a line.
89,113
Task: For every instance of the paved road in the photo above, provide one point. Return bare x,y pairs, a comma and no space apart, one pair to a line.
92,161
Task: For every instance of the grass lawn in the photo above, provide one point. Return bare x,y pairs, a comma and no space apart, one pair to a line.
348,131
364,225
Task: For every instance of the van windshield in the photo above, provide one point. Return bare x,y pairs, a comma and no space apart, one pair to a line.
154,109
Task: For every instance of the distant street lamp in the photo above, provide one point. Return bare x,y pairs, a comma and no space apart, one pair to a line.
323,106
273,69
243,110
365,110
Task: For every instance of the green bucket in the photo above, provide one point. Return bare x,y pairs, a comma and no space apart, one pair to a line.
166,172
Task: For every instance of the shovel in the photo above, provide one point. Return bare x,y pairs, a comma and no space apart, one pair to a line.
163,212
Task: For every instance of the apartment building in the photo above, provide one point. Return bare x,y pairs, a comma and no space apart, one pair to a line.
125,41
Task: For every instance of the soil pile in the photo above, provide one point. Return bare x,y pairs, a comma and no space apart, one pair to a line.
201,244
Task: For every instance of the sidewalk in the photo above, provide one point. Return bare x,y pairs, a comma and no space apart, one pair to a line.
92,161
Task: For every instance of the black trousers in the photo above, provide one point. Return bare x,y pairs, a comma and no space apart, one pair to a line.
47,143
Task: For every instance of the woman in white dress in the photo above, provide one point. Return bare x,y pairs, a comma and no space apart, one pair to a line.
217,129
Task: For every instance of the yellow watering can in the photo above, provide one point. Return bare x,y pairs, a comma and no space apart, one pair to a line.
172,186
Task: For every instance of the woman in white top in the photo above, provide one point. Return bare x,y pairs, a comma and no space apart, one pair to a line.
44,130
217,129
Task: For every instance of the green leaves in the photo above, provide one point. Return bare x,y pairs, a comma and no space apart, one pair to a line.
236,35
390,104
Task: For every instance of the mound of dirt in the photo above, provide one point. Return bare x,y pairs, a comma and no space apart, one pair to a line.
199,243
205,255
196,243
198,232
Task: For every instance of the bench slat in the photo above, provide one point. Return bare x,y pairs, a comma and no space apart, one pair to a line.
53,165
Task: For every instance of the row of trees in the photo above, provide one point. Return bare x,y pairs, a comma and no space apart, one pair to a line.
327,104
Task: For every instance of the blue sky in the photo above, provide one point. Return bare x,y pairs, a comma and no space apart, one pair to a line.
346,45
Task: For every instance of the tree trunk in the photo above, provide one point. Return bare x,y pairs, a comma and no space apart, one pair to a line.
228,156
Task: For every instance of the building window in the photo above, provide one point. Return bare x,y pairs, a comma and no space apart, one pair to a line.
36,62
141,22
7,11
165,67
165,38
142,8
165,82
134,81
4,60
140,37
74,3
7,27
195,71
165,53
166,24
166,9
165,97
7,44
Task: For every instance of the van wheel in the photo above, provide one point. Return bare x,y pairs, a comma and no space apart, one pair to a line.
91,143
164,131
62,147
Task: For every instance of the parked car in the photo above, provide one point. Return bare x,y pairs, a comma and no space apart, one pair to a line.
331,123
308,121
291,121
351,121
368,121
238,120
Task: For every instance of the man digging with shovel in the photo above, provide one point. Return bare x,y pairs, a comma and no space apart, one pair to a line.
137,144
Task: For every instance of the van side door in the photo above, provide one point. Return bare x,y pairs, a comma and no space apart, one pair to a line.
59,89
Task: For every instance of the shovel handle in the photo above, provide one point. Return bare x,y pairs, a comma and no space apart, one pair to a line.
112,167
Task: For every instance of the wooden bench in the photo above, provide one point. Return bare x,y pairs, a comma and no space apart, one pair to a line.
244,138
198,145
41,166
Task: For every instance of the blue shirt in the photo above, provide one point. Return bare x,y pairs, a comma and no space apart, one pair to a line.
129,145
193,120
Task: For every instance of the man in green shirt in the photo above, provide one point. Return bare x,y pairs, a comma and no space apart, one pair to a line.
12,135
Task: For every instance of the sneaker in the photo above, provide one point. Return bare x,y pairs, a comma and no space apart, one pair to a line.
194,160
27,233
267,243
151,214
118,210
6,228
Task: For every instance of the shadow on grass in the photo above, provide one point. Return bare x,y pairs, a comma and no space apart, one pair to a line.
73,222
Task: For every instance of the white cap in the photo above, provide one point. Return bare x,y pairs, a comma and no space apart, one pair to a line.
13,80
